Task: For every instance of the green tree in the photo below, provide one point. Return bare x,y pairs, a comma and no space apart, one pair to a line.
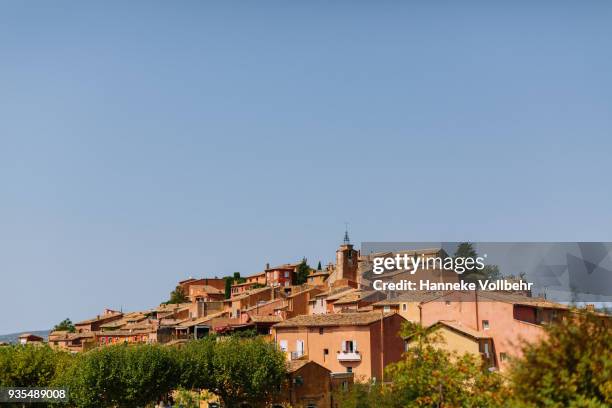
196,363
466,250
246,371
571,367
177,296
319,266
303,270
65,325
428,376
31,365
228,286
122,376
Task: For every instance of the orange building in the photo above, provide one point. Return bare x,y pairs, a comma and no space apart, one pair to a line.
360,343
94,324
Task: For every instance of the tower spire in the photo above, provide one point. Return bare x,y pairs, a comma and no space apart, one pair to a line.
346,235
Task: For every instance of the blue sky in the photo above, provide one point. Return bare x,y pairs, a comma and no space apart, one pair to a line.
143,143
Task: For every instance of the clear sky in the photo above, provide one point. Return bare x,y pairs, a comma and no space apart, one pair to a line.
143,143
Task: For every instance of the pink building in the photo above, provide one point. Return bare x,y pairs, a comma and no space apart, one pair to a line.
508,319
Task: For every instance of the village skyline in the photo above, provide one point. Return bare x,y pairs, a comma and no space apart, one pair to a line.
143,143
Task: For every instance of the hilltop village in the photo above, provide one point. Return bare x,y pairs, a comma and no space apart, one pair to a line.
334,328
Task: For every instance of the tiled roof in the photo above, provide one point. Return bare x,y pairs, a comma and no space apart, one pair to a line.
211,290
339,295
172,307
517,299
200,320
336,319
99,318
355,296
266,319
249,293
295,365
459,327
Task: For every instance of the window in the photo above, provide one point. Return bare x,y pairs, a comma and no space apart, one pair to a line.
349,369
283,345
286,274
447,303
503,357
348,346
485,325
299,347
404,307
386,309
486,349
406,345
320,330
344,385
325,352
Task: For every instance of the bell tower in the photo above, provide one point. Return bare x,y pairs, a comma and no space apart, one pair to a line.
347,260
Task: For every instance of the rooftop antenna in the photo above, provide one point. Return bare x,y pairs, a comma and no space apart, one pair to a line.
346,236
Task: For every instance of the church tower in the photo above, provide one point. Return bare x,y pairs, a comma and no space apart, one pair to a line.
347,260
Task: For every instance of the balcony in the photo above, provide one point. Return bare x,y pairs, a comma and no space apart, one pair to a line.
349,356
296,355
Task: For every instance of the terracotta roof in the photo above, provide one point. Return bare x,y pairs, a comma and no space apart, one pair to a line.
172,307
517,299
243,284
127,318
294,365
266,319
336,319
265,303
249,293
340,295
64,335
199,320
454,325
355,296
111,333
99,318
25,335
210,289
284,266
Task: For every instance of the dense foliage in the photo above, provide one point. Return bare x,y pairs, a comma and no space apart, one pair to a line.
237,369
177,296
572,367
303,270
31,365
65,325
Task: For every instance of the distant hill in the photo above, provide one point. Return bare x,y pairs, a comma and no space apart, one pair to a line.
12,338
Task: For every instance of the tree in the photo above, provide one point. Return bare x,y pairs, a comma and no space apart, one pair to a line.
466,250
228,286
303,270
196,363
31,365
570,367
65,325
246,371
319,266
177,296
428,376
122,376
